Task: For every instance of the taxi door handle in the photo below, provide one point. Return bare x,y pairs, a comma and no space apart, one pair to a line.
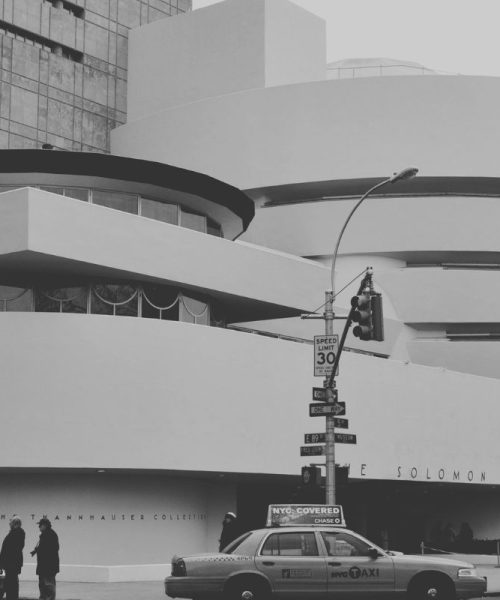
335,564
268,563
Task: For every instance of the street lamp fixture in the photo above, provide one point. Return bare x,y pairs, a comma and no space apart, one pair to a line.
329,316
407,173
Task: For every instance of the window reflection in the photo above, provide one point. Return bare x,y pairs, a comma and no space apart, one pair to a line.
114,299
118,299
192,220
160,211
67,300
160,302
117,200
15,299
77,193
52,189
194,311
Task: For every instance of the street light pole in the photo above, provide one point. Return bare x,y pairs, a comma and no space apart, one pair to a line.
329,316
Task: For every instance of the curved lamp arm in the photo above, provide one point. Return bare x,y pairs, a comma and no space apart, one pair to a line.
407,173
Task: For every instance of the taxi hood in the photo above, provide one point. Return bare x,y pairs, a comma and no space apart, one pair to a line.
430,559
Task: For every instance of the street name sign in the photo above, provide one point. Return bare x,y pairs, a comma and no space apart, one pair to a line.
320,438
314,438
312,451
325,351
321,410
345,438
320,395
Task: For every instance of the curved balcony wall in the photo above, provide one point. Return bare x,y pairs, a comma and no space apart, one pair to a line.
415,228
324,130
154,190
135,204
127,385
52,241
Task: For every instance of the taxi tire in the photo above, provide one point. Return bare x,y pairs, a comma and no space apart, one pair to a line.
432,587
247,590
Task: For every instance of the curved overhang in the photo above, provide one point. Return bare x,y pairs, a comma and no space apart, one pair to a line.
225,203
345,189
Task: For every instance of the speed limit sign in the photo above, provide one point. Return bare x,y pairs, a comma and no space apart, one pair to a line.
325,352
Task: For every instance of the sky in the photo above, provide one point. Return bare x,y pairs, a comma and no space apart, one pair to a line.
453,36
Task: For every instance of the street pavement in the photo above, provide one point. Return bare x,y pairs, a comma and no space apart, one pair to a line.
153,590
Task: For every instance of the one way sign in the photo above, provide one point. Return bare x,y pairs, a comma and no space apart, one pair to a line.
321,410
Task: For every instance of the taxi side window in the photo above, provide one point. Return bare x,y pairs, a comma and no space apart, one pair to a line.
343,544
290,544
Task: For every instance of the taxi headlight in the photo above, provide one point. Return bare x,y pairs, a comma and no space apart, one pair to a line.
469,572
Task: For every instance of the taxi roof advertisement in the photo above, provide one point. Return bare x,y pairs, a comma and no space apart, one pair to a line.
291,515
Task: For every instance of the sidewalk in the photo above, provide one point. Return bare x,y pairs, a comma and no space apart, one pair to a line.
134,590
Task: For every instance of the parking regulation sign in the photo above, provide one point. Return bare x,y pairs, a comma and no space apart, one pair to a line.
326,348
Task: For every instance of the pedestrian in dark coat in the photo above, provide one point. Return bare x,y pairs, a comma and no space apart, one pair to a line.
230,530
11,558
47,560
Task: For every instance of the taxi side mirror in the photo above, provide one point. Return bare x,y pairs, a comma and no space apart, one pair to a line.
373,553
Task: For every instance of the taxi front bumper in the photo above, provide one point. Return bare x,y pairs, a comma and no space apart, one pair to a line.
472,587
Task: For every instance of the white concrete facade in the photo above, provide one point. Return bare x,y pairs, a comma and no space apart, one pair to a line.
305,150
122,416
305,141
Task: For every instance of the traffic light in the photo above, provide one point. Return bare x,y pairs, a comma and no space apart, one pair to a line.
311,476
362,315
377,318
369,316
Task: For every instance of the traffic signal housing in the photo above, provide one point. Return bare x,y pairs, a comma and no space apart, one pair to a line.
367,312
311,476
377,318
362,315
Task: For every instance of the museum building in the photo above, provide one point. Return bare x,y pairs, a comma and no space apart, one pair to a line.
156,372
255,104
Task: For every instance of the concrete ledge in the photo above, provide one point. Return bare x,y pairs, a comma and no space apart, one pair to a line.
103,573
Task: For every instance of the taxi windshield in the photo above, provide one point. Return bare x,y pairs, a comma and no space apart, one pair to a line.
238,546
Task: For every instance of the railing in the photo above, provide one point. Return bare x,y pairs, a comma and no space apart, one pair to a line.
380,71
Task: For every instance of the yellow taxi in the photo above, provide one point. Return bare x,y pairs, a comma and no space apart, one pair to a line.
307,552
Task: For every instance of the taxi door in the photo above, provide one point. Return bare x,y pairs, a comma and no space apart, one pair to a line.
352,572
292,563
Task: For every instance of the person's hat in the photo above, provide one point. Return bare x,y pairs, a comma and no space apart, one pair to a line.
230,514
44,521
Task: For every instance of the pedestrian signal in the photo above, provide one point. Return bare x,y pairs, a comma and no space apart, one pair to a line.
311,476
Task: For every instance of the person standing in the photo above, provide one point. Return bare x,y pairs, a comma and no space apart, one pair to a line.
11,557
230,530
47,560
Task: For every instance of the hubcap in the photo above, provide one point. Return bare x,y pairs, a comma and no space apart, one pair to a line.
432,593
247,595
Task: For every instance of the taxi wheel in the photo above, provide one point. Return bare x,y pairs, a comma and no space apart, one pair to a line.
247,590
432,588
